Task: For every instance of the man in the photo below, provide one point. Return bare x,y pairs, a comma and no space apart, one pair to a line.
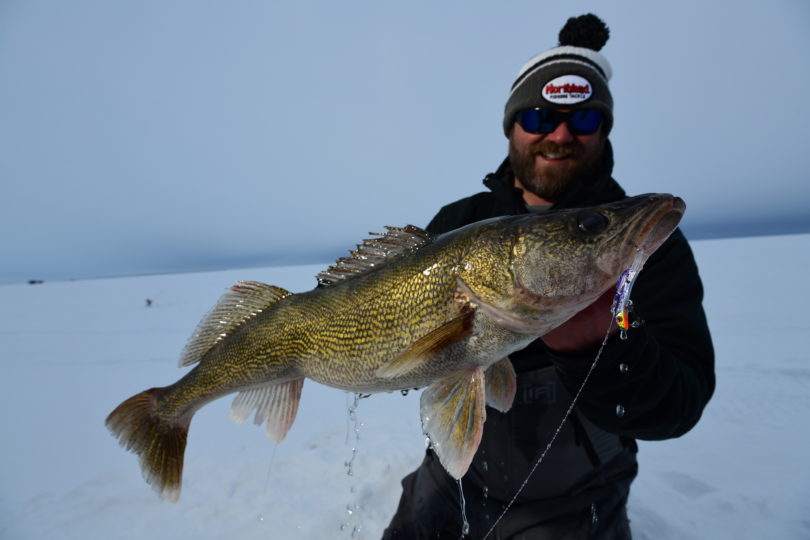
651,383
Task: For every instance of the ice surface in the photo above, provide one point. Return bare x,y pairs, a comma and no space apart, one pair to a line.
71,351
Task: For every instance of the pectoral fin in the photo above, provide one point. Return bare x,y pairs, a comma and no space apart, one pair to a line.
430,344
277,404
453,413
501,385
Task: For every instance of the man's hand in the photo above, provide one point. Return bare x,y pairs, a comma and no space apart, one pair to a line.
585,330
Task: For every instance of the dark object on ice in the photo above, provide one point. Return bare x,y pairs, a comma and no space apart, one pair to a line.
35,282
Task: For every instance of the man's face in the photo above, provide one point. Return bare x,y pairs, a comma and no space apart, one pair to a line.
547,165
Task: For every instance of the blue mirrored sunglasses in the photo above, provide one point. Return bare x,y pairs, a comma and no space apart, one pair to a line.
544,121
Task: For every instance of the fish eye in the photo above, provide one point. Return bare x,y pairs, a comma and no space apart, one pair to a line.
592,222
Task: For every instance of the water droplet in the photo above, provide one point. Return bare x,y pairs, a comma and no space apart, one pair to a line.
620,410
594,514
635,324
624,368
486,492
404,392
485,466
622,334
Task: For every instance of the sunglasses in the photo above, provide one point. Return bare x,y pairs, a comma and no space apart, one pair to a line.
580,121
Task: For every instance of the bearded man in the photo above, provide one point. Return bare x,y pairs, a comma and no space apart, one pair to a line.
651,383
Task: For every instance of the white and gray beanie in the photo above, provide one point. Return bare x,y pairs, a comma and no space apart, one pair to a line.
573,75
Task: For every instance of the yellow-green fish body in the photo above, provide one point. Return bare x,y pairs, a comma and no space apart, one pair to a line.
404,311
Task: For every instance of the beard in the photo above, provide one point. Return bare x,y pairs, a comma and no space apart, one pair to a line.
551,182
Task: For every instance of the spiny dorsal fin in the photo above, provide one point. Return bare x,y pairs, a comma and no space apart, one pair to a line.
376,252
245,300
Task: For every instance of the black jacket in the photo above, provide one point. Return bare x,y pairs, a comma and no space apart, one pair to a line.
652,385
669,375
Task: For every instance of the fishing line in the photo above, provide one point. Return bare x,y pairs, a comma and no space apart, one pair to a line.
556,432
267,477
620,314
270,468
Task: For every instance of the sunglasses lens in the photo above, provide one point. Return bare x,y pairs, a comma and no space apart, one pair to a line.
538,120
544,121
585,121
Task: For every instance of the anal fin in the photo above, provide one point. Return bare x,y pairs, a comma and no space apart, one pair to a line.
277,404
453,413
453,331
501,385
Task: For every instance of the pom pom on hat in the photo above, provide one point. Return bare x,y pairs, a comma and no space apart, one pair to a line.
588,31
575,63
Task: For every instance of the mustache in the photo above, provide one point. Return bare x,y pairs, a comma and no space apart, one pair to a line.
573,149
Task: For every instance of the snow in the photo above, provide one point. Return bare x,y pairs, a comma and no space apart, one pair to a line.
73,350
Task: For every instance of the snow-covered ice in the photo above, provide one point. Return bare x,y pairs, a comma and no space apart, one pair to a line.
71,351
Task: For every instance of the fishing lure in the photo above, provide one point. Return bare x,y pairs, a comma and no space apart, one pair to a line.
622,305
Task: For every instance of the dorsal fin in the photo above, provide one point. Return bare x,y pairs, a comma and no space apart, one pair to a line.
376,252
245,300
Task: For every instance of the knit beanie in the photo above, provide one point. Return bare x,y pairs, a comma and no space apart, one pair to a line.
572,75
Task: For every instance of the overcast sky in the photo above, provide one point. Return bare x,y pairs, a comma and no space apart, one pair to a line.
161,136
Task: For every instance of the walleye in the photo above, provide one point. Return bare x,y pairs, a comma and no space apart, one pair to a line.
405,310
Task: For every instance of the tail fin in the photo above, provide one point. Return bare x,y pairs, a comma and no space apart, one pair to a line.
160,445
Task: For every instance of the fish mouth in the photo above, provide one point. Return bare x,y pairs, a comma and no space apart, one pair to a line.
663,215
648,221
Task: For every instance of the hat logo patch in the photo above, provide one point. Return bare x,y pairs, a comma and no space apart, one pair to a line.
567,90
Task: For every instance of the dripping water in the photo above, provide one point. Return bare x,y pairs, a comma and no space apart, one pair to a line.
465,526
353,426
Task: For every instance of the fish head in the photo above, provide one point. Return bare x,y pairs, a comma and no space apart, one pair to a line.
563,260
